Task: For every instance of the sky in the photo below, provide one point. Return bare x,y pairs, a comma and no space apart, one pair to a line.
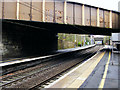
106,4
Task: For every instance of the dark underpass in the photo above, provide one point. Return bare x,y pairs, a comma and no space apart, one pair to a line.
29,38
21,41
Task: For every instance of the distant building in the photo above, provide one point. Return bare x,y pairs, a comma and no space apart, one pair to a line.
119,6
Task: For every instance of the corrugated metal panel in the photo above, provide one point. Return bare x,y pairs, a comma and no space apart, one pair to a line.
93,17
78,14
69,13
10,10
119,21
0,9
37,11
113,20
116,21
59,10
87,16
106,20
24,13
101,18
49,11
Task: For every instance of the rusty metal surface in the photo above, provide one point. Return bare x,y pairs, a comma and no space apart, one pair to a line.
37,11
59,10
24,13
10,10
78,14
115,19
49,11
119,20
93,17
106,19
87,16
69,13
101,18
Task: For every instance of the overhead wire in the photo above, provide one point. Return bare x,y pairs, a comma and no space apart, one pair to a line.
38,9
61,20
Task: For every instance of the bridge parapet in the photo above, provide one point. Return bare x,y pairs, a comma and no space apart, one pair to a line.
60,11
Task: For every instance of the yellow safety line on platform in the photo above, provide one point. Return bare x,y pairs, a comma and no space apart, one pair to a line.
80,80
105,73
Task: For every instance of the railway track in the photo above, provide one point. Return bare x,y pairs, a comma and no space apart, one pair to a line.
35,77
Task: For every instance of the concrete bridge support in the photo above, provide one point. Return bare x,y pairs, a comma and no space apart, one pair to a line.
22,41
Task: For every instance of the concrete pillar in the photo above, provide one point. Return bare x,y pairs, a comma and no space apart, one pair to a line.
65,10
43,11
18,8
98,18
110,19
83,15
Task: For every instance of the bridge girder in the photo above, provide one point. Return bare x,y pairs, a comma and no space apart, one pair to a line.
61,28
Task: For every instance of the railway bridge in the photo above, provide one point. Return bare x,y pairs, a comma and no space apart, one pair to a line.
33,26
30,30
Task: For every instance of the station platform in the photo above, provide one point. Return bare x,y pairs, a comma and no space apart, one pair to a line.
75,49
100,71
59,52
21,60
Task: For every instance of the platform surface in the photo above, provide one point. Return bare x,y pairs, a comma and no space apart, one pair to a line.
75,49
21,60
100,71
